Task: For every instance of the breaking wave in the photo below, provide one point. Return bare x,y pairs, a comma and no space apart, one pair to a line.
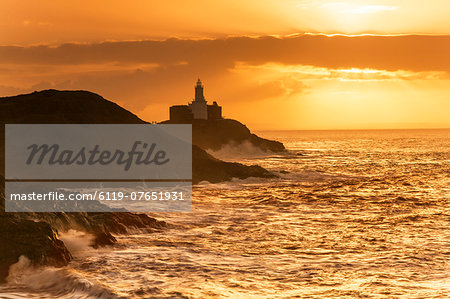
234,151
27,281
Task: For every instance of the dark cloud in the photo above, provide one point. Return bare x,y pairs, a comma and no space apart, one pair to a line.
416,53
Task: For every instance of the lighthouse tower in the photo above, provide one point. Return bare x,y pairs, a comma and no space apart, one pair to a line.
199,91
198,106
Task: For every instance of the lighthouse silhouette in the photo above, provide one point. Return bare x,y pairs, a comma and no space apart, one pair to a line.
197,109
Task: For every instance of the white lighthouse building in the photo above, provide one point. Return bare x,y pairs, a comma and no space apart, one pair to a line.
197,109
198,106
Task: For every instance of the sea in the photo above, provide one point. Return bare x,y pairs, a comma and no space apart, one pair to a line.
352,214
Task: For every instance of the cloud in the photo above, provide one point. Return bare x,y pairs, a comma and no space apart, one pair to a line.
415,53
148,76
305,73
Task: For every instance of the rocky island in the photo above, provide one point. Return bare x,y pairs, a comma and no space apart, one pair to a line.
211,131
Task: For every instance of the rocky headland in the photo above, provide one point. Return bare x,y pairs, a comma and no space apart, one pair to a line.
35,235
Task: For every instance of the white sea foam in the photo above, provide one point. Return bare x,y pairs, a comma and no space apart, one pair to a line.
235,151
49,282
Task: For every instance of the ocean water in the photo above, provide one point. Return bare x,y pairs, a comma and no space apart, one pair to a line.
353,214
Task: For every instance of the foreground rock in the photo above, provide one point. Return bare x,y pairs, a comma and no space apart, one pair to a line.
36,240
35,235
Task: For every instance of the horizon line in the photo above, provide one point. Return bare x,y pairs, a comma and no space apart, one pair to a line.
228,36
372,129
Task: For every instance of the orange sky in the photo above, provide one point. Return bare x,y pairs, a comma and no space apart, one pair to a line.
123,50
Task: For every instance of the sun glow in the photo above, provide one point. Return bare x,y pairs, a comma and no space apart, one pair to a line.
351,8
353,16
345,98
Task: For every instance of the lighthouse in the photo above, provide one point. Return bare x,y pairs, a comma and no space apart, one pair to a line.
198,106
197,109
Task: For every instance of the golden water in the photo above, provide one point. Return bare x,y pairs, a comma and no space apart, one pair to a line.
354,214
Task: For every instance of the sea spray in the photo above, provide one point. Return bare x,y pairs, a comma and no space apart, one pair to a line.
79,243
233,150
50,282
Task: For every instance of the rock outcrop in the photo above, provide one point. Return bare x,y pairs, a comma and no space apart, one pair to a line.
216,133
207,168
36,240
83,107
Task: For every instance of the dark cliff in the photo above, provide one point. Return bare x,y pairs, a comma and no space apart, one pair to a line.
83,107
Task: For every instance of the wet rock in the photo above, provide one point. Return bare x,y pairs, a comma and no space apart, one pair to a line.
207,168
36,240
103,239
122,222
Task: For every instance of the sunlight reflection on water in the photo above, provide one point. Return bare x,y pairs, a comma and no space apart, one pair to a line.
358,214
